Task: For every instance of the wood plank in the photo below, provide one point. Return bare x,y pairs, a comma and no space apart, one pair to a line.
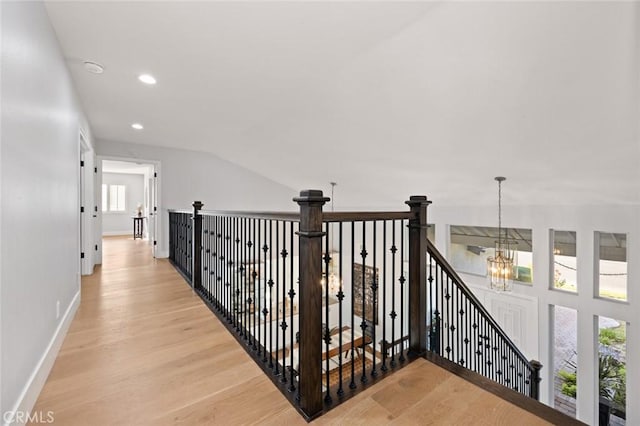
144,350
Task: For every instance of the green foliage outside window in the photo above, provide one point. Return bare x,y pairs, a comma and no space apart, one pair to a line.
612,371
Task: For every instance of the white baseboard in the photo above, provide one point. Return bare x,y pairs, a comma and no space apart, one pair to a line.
31,391
162,254
115,233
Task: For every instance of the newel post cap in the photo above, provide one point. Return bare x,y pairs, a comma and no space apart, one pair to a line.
309,196
197,205
418,200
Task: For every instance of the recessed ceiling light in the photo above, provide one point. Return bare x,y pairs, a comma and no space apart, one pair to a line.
147,79
93,67
137,126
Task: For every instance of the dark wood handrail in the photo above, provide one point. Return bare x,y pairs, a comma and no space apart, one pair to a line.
365,216
287,216
295,216
433,252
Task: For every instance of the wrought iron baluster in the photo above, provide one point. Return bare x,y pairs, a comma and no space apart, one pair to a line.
204,263
363,324
249,277
225,268
340,299
270,283
352,384
402,281
443,319
283,325
374,290
216,267
447,296
236,276
263,279
245,281
277,324
495,362
292,294
258,274
326,332
208,260
460,326
470,331
254,275
393,314
384,296
215,296
222,258
230,266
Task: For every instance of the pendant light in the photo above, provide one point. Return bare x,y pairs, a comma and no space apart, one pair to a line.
500,267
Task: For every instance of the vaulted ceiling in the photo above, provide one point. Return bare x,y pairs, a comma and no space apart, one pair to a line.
386,98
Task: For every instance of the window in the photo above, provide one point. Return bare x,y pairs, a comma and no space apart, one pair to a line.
611,265
472,245
431,233
565,359
113,198
612,369
563,260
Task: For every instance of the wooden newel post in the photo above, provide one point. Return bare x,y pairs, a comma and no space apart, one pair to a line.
418,275
196,246
310,297
535,379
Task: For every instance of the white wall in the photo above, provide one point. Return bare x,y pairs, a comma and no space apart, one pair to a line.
186,176
584,220
39,260
120,223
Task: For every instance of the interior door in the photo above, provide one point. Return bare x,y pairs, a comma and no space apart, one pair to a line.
153,209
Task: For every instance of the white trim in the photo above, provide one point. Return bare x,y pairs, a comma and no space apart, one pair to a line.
157,164
38,377
128,232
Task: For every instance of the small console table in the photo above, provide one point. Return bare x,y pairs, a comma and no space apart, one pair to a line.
138,226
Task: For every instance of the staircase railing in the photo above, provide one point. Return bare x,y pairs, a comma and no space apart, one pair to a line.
180,243
328,303
462,331
314,297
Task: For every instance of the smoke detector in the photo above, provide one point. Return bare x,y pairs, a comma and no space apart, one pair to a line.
93,67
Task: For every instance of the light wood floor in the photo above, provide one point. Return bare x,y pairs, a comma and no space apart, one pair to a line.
143,350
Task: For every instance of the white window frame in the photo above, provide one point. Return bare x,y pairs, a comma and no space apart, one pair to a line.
107,198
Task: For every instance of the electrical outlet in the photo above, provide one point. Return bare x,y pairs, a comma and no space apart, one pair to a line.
58,309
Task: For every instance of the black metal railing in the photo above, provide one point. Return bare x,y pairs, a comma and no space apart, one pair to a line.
320,300
180,243
249,279
462,331
364,297
328,303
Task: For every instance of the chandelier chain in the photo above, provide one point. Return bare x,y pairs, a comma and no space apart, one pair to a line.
500,214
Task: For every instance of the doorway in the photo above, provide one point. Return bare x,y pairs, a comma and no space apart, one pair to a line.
128,194
86,197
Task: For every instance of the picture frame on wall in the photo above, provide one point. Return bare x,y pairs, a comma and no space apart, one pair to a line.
364,291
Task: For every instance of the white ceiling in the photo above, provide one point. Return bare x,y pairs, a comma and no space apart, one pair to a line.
386,98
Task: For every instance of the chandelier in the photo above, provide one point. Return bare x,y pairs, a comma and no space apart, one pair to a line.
500,267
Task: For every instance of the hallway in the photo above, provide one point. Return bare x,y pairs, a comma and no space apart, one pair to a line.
143,350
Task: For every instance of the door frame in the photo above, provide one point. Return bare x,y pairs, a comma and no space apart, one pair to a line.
158,202
86,196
